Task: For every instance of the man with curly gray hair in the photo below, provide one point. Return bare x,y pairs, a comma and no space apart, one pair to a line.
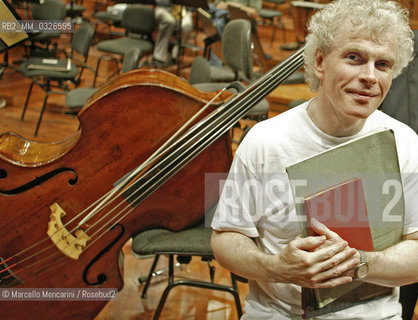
353,51
373,18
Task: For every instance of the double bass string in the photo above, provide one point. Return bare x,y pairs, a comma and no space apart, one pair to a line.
228,117
264,85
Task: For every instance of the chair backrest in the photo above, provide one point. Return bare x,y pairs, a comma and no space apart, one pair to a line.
139,19
131,59
401,101
80,43
237,46
199,71
82,39
49,10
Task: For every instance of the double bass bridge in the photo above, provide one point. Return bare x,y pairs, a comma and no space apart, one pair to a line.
71,246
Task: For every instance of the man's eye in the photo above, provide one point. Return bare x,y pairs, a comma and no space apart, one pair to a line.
353,56
383,64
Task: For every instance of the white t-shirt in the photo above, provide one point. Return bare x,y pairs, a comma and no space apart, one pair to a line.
256,201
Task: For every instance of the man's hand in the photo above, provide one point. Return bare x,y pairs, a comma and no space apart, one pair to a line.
320,261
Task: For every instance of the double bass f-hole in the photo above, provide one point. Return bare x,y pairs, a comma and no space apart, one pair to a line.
37,181
101,277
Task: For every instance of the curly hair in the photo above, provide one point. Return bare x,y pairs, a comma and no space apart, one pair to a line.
373,18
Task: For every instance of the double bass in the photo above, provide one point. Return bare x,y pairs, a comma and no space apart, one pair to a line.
67,208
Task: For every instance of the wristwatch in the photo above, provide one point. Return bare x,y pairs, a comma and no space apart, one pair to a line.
363,268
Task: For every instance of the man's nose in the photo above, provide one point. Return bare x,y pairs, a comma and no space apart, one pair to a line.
368,73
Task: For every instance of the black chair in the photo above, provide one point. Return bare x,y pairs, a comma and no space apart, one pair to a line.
109,19
192,242
109,16
213,45
47,78
48,10
139,24
77,98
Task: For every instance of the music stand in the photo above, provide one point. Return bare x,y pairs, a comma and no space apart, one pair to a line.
9,39
12,38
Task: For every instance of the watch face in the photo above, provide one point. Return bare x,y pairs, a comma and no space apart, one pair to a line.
362,270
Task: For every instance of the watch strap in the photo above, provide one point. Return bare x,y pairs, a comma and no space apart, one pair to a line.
363,256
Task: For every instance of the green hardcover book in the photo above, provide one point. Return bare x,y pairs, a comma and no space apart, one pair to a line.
371,158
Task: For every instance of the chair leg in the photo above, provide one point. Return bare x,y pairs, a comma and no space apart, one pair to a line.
150,275
27,101
199,284
108,58
96,72
167,289
273,35
277,22
236,296
41,114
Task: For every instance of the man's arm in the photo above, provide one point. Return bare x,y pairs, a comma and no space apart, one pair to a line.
395,266
302,262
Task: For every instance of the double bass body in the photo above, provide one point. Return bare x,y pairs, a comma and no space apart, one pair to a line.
120,128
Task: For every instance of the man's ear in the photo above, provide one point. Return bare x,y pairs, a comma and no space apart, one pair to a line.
319,64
